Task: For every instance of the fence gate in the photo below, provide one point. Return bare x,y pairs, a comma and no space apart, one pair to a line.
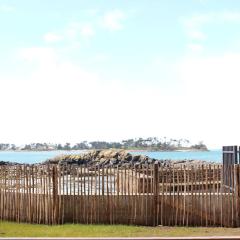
231,156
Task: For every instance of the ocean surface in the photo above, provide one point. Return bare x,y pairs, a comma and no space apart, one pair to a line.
210,156
37,157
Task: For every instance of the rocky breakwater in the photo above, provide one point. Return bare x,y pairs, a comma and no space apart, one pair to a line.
4,163
100,158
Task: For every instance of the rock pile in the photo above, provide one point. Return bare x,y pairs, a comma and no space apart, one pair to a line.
102,158
111,157
4,163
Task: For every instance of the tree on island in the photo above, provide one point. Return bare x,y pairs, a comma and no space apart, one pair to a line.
150,143
59,147
199,146
67,146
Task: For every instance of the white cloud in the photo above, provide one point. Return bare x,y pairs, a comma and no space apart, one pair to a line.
197,20
113,20
197,35
37,54
92,12
194,24
87,30
195,47
211,97
6,8
100,58
212,71
230,16
75,32
58,100
203,2
52,37
70,32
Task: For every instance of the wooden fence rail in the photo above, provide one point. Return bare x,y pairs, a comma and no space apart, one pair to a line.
143,194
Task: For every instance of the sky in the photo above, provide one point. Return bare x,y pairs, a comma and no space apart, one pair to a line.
74,70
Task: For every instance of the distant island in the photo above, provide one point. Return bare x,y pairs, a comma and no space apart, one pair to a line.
138,144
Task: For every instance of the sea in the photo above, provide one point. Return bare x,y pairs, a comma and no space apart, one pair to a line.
40,156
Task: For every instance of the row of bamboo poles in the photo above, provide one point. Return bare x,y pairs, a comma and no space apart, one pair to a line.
143,194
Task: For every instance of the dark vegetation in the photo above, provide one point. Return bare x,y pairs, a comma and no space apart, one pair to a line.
150,144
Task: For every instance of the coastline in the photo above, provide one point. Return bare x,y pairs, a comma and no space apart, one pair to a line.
39,156
176,150
129,150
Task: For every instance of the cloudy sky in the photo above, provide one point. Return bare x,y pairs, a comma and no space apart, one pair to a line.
73,70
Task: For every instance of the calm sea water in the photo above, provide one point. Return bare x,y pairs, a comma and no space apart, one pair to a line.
37,157
211,156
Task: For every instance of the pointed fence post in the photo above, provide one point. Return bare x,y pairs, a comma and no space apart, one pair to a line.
55,195
155,194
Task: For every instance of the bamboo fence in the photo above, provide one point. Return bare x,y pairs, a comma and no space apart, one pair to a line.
141,195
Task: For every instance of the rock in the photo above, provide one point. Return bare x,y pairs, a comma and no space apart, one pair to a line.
102,160
111,157
4,163
128,157
136,158
150,161
113,161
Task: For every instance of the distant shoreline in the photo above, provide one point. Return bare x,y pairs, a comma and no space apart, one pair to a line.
129,150
138,144
168,150
32,157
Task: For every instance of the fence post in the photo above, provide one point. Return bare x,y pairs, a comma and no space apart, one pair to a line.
229,157
55,195
235,155
155,194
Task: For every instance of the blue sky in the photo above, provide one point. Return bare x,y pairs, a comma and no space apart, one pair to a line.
89,70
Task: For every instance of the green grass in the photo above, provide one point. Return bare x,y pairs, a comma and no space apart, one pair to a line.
9,229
